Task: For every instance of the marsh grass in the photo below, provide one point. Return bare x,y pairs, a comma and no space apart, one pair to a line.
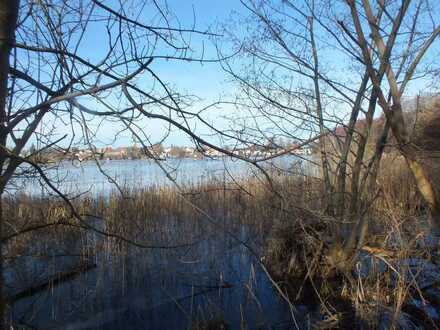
295,236
44,239
386,285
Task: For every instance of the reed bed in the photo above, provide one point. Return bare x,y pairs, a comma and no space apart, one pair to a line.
392,282
287,211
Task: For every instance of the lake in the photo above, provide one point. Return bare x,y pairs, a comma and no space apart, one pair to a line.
213,282
86,177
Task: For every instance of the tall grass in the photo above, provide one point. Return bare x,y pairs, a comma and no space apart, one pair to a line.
288,213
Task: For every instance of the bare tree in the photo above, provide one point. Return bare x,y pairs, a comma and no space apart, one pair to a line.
70,69
305,55
393,110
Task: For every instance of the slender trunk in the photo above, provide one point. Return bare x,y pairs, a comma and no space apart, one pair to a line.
409,152
360,231
395,113
357,167
8,22
373,166
319,112
424,185
342,173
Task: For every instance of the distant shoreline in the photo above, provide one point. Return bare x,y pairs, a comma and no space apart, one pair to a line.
158,152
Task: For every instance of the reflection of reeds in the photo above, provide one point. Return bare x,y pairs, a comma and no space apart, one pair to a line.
153,215
289,208
150,215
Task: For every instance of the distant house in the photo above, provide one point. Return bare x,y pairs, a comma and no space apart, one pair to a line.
210,152
83,155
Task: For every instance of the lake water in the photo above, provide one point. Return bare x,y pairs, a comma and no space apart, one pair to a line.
74,178
214,281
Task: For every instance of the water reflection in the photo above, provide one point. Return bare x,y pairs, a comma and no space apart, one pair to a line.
213,282
72,178
216,280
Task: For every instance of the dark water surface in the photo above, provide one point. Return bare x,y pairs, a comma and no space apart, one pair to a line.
212,280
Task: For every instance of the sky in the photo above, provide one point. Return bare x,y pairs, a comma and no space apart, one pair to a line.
207,81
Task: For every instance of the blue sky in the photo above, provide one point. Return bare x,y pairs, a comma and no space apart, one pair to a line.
205,80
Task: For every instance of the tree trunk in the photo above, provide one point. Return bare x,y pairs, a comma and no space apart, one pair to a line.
319,112
342,173
8,22
394,114
409,152
424,185
357,236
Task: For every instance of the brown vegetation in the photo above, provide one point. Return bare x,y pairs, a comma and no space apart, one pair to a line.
348,238
302,255
299,249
